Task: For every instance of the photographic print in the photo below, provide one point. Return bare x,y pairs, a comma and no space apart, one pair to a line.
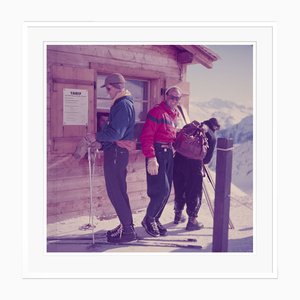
215,82
148,150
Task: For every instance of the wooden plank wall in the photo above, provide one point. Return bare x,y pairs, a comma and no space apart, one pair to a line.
68,187
152,58
67,179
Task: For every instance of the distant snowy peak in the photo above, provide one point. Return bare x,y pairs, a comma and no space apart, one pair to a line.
241,132
228,113
220,103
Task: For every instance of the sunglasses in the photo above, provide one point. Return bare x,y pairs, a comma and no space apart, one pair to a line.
108,89
174,97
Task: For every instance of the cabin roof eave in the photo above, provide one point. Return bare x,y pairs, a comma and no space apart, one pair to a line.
199,55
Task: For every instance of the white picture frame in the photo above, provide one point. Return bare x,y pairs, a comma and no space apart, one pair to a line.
37,263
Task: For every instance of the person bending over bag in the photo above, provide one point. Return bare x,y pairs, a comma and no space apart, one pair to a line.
188,180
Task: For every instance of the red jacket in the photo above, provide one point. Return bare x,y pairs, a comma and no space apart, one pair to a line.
160,126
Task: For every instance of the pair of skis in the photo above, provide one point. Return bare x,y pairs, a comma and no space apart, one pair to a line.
149,242
188,243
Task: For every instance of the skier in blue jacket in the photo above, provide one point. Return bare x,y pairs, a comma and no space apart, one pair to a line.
117,138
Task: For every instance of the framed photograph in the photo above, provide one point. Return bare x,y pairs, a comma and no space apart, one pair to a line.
224,71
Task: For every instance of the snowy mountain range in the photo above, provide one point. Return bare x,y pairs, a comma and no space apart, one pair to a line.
237,123
241,132
227,112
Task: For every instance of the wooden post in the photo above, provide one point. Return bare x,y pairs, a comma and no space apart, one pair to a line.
222,194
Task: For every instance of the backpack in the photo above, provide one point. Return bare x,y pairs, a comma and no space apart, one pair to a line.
191,141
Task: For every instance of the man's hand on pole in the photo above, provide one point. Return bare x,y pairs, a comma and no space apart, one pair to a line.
93,144
152,166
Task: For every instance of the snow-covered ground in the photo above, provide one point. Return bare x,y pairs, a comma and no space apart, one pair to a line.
240,238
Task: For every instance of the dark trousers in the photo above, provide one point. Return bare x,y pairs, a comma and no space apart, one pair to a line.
159,186
187,180
115,163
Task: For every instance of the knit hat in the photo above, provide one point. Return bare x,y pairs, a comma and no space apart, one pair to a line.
113,78
214,122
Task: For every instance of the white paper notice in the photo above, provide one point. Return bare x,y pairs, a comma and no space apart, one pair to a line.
75,105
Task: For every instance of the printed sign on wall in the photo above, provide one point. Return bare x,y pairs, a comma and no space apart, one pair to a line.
75,107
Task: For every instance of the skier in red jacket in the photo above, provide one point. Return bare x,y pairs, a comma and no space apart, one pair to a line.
158,135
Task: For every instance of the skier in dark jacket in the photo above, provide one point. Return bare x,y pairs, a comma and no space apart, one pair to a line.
117,138
188,180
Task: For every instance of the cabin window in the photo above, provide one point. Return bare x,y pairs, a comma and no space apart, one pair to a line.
140,92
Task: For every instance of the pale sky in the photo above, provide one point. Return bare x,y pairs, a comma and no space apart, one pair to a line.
231,77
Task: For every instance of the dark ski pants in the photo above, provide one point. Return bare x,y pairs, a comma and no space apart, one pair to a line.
159,186
115,172
187,180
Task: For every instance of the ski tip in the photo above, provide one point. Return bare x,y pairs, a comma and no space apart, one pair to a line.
92,247
192,240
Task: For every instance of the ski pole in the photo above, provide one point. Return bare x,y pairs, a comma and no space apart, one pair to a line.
209,177
91,171
209,204
231,226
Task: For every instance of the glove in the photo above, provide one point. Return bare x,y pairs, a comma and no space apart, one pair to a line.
81,148
92,142
152,166
95,146
84,144
91,137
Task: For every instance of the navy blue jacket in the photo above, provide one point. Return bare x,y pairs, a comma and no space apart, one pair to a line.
120,125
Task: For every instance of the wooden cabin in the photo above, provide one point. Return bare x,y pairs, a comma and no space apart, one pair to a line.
77,105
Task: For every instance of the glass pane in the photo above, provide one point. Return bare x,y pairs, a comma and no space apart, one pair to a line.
104,104
102,119
137,133
141,109
138,89
101,92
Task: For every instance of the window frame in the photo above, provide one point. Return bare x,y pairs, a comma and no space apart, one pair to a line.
138,122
